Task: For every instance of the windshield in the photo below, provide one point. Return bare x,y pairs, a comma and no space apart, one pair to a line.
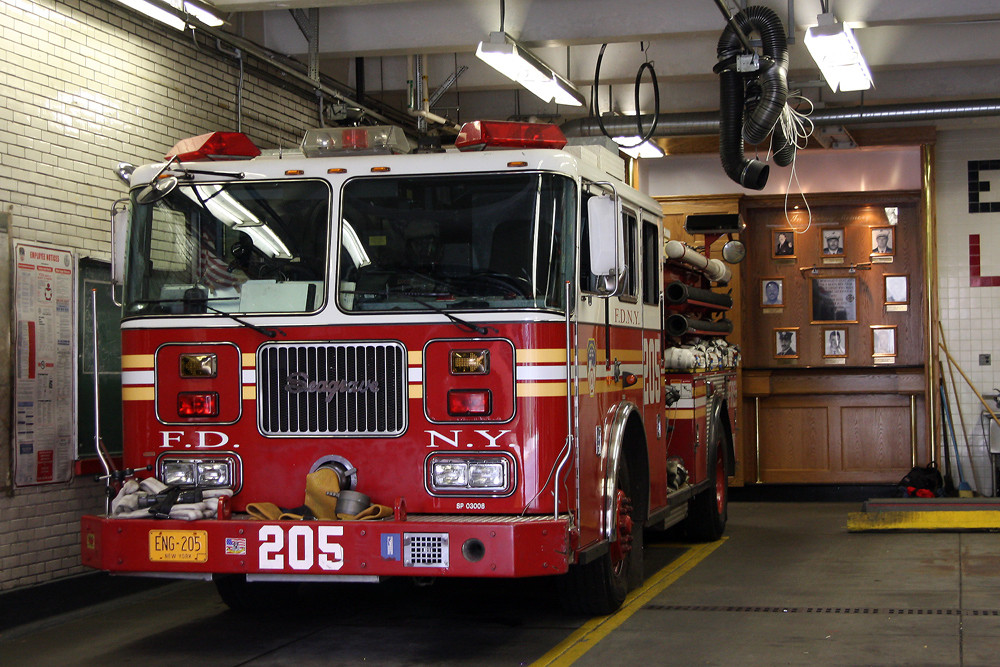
235,247
456,242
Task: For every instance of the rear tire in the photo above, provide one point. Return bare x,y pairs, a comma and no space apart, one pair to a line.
601,586
709,510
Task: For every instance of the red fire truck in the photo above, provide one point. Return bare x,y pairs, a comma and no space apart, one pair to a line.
468,348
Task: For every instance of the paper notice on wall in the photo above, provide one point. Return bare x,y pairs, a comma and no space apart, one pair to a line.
45,364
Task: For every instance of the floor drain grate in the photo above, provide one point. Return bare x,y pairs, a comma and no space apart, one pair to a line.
891,611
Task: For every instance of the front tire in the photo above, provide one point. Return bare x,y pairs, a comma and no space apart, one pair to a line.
600,586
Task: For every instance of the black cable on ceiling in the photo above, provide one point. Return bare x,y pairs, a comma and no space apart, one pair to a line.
596,107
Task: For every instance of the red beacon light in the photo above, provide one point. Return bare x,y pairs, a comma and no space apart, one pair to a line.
344,141
214,146
482,134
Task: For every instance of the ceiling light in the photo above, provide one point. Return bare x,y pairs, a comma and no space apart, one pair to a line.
505,55
631,147
174,12
836,51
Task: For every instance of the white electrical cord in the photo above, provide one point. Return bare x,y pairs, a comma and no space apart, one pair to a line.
797,128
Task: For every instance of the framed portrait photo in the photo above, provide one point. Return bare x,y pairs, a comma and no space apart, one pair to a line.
897,289
772,292
782,243
883,241
833,242
884,340
834,300
786,343
834,343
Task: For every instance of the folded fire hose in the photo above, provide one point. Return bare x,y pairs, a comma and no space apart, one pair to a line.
323,495
151,498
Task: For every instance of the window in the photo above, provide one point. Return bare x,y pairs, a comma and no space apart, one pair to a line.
650,263
630,231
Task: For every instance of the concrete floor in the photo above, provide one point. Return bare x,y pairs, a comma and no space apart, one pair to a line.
788,586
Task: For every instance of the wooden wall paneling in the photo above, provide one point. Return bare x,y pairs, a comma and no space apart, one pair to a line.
847,438
794,436
875,438
868,431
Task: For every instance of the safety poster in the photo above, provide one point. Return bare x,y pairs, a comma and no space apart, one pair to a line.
45,364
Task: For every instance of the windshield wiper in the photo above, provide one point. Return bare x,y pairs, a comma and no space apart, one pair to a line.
462,324
270,333
203,303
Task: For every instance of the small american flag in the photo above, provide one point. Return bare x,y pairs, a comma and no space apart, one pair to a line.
213,269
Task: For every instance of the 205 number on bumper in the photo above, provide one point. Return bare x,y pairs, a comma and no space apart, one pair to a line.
457,546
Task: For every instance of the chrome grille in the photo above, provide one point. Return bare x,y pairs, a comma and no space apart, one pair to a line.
332,389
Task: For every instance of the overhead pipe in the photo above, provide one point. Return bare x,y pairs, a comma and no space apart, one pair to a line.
419,106
704,123
248,47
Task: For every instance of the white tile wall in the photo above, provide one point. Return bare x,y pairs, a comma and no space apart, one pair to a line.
84,85
970,316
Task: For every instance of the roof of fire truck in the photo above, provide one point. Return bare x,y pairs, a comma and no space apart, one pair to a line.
482,146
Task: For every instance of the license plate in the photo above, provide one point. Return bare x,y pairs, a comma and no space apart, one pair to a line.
178,546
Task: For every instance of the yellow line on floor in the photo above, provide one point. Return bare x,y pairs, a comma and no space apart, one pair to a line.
931,520
593,631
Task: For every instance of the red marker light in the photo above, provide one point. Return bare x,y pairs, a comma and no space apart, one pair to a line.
198,404
471,402
214,146
481,134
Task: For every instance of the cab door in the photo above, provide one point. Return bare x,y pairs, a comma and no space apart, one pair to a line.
609,342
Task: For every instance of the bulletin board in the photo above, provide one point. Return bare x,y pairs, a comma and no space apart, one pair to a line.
45,363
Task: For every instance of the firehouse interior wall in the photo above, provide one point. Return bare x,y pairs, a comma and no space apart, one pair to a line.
834,382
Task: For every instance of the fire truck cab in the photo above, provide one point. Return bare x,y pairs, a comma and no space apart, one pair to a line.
350,362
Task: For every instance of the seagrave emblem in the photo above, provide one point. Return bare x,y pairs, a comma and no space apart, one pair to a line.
299,383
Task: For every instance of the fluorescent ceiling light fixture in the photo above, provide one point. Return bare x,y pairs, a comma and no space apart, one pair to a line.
631,147
172,12
505,55
836,51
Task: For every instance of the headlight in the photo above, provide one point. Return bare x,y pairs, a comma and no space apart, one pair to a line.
450,473
471,474
213,473
196,472
487,475
179,473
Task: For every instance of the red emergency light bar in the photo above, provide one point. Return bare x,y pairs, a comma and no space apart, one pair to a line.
214,146
482,134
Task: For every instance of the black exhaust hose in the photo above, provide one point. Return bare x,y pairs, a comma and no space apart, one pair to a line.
679,325
770,94
678,293
782,149
773,73
748,173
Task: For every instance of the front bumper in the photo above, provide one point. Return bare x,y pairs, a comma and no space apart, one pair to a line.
420,545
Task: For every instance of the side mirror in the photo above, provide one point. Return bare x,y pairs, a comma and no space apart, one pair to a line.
607,248
119,235
156,190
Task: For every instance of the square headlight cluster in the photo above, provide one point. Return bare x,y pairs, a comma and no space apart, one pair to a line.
472,474
205,473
